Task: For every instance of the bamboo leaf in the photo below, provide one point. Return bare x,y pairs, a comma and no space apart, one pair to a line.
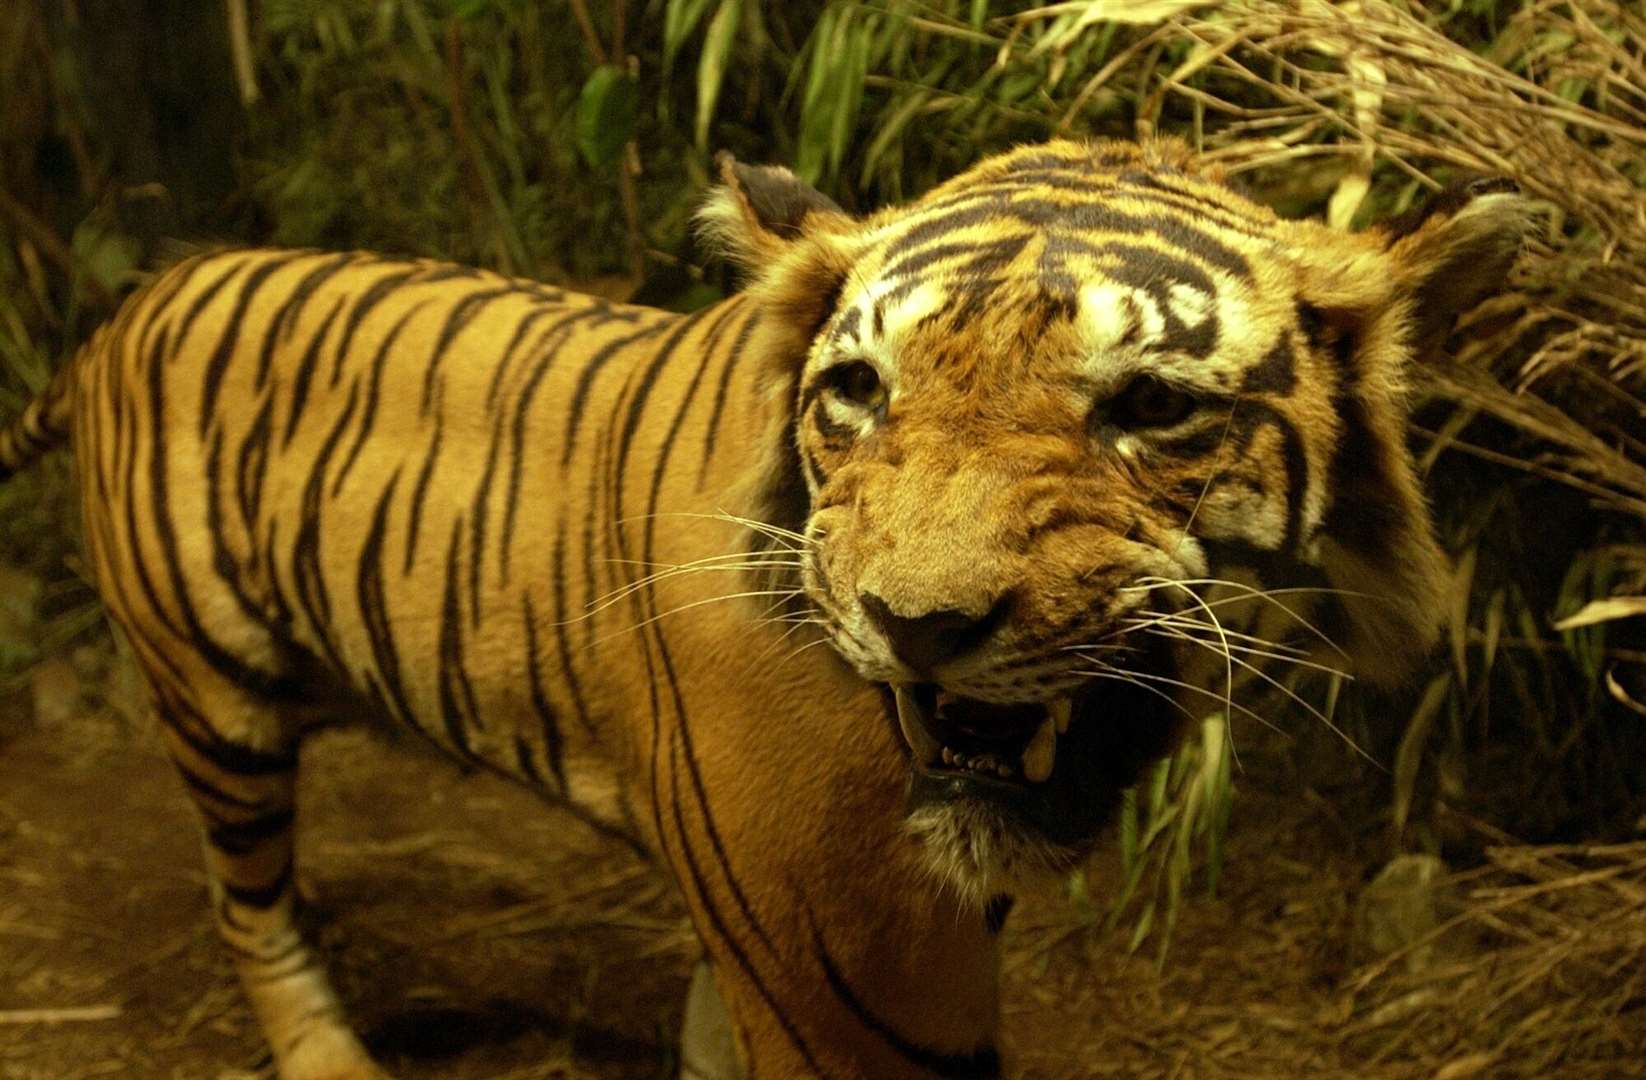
1462,585
711,66
1608,609
606,112
680,18
1409,756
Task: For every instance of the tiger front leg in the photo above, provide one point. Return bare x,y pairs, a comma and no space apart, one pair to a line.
244,789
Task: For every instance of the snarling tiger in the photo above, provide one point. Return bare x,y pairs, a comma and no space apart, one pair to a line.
982,445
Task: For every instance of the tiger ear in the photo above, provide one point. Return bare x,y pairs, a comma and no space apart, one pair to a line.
1453,252
758,211
798,248
1375,304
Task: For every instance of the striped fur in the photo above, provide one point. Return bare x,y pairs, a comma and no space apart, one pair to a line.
320,485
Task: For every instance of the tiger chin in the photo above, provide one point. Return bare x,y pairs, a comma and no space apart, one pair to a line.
1029,455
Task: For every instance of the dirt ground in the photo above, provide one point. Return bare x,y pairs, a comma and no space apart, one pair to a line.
476,933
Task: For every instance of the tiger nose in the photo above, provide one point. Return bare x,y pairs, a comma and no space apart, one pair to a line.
924,641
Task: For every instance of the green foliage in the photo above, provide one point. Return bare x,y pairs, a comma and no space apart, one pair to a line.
1171,825
606,111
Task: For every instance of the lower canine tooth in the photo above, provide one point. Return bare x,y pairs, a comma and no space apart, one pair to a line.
926,749
1060,711
1041,754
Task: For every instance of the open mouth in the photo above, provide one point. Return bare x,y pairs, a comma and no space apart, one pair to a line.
946,732
1046,772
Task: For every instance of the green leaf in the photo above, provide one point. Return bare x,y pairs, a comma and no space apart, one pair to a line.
680,18
606,111
711,66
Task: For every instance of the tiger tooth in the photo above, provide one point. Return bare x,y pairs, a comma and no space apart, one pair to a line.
1041,754
1060,711
926,749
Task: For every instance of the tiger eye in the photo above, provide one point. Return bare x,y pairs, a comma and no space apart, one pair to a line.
859,383
1149,402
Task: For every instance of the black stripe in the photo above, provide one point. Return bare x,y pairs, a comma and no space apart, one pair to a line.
374,611
650,616
205,789
591,369
224,352
562,643
251,465
414,524
523,761
438,272
457,708
312,593
540,696
1276,373
280,328
637,402
730,365
227,756
244,837
982,1064
245,676
462,313
731,943
369,298
506,360
192,312
222,558
305,373
517,429
260,897
1061,218
368,415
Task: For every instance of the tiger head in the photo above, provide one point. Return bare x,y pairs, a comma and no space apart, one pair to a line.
1026,421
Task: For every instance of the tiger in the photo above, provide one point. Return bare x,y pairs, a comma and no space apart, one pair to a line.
990,448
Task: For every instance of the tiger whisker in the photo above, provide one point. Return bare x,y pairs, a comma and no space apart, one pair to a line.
1284,689
1228,657
1249,593
1217,455
1176,630
687,607
1179,683
1180,619
606,600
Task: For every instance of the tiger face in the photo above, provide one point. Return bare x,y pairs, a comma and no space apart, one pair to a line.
1032,415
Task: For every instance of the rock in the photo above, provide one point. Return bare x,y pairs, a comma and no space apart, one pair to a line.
56,689
1407,901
